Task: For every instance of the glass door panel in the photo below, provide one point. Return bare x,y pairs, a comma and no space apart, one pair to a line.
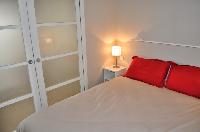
63,92
57,40
9,13
14,83
57,34
16,98
60,70
12,115
11,47
55,11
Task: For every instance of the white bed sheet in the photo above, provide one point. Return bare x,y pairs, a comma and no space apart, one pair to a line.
120,105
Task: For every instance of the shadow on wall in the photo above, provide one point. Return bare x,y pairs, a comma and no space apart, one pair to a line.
99,55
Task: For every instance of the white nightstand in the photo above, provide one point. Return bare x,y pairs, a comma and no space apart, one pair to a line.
110,72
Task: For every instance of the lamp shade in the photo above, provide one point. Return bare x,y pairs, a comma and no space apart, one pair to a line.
116,50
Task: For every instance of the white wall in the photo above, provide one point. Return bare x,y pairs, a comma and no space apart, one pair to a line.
100,28
174,21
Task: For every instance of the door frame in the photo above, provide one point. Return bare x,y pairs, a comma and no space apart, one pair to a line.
28,49
80,23
30,39
24,15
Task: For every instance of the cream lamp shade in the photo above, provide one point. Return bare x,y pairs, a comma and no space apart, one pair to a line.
116,50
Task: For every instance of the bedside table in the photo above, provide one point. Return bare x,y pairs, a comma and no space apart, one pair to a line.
110,72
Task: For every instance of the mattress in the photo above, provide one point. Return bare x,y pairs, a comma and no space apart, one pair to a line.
119,105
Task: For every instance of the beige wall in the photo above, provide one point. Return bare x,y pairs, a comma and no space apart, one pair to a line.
174,21
100,28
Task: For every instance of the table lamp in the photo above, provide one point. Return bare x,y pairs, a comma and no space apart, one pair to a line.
116,52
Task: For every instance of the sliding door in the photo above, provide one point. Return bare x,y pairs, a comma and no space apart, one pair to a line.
58,49
42,58
17,76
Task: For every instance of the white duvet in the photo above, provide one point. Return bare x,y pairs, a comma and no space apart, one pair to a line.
120,105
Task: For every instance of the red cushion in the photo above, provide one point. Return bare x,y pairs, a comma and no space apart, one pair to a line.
184,79
151,71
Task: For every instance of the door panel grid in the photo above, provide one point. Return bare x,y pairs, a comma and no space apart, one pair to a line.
16,75
14,52
24,12
55,39
41,44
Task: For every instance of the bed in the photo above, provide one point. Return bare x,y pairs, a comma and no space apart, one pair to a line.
121,104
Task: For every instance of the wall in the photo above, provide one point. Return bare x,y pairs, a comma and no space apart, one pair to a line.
100,31
173,21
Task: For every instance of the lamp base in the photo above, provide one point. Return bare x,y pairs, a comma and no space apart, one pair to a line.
116,66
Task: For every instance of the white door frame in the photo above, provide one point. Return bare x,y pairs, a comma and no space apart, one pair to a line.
80,17
38,65
25,28
31,42
82,14
24,15
81,50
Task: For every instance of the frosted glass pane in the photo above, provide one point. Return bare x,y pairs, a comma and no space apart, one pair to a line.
63,92
9,14
60,70
11,47
13,83
55,11
12,115
57,40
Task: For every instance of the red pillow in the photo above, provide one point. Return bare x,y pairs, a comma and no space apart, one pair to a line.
151,71
184,79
